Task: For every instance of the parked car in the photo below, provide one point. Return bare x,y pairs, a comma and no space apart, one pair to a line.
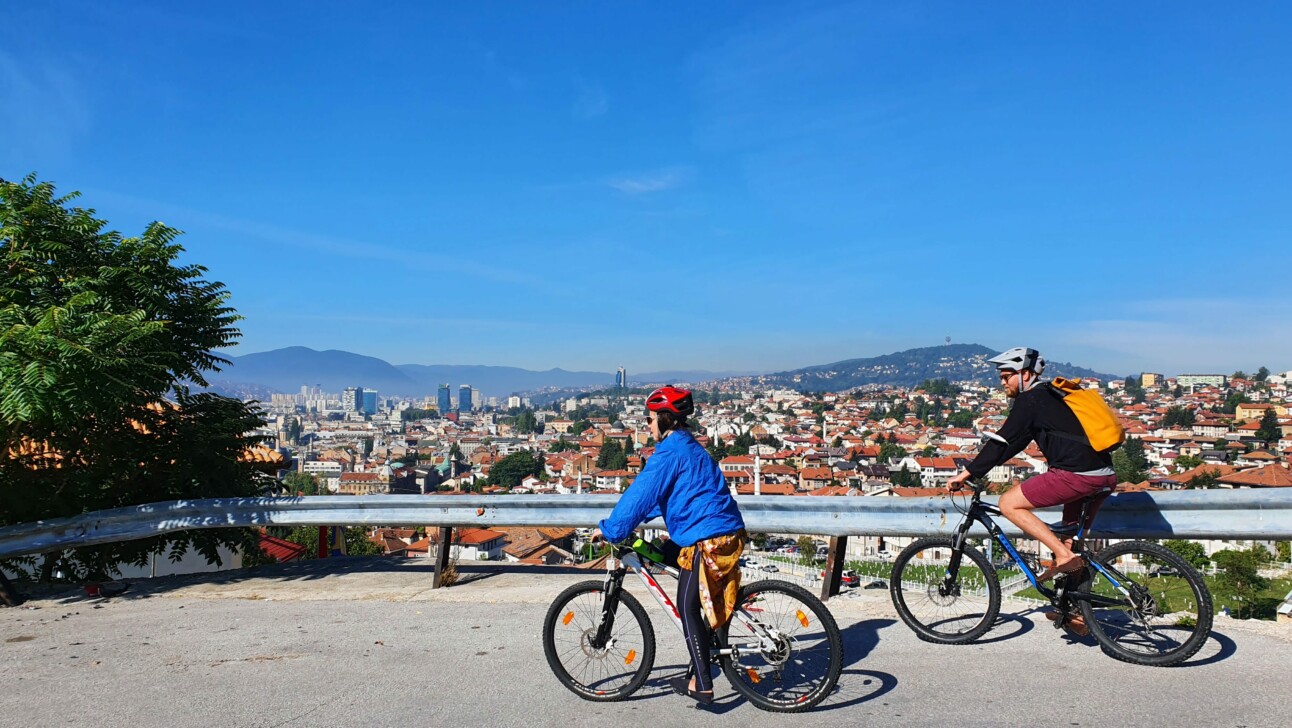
849,578
876,584
769,567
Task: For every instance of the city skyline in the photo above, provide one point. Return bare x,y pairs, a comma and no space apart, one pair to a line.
763,187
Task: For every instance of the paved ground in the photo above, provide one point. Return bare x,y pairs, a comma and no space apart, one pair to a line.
358,644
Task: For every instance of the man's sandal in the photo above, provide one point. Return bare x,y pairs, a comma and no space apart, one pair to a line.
1074,565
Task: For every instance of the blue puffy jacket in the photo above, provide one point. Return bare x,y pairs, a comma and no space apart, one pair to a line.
682,483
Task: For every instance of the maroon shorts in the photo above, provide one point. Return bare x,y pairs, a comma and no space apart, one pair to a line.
1055,487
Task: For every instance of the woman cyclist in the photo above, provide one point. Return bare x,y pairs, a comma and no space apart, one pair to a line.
682,483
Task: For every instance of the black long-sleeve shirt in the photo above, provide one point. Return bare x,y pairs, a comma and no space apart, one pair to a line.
1038,414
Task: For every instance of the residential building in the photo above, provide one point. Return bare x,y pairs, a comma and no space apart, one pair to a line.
352,399
1193,381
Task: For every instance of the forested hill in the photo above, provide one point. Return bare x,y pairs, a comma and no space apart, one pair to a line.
955,362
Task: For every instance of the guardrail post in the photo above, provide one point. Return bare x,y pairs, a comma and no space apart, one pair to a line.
834,567
8,594
442,557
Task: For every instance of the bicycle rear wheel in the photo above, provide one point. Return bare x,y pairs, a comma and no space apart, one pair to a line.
941,607
615,670
789,652
1150,608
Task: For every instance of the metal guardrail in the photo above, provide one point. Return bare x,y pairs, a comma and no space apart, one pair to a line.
1197,514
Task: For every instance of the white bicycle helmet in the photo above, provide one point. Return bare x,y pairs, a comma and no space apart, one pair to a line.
1018,359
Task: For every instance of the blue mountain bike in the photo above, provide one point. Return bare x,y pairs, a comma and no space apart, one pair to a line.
1141,602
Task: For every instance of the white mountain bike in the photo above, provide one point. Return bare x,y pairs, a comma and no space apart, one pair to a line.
781,649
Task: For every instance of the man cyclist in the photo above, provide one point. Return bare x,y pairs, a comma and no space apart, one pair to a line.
1076,470
682,483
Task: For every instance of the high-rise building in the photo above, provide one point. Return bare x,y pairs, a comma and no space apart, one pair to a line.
513,401
352,399
370,401
445,396
464,398
621,378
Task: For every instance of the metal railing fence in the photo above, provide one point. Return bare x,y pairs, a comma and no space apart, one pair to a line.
1247,514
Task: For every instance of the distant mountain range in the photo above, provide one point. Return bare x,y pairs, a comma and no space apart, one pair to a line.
286,370
955,362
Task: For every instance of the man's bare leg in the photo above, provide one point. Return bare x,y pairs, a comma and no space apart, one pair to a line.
1015,506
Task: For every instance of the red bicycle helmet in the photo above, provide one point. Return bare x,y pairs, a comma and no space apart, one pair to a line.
670,399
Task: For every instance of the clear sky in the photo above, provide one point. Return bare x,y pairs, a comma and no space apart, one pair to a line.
690,185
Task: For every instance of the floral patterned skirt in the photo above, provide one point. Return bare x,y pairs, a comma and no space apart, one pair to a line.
719,575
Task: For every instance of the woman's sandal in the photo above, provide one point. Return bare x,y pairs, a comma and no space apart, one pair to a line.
682,686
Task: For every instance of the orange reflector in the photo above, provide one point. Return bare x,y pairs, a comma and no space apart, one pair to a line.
753,675
568,616
632,655
803,620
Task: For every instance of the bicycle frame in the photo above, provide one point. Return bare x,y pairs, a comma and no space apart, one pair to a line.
980,512
629,560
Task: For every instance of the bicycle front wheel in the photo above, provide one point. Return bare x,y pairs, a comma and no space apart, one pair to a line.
787,652
607,672
1146,604
939,605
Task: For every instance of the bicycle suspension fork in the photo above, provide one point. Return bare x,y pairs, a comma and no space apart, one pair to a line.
614,584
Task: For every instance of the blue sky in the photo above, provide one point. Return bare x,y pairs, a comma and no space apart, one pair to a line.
690,185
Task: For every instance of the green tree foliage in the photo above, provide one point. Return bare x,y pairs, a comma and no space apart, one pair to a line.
1205,479
759,540
1187,462
1284,550
514,468
526,423
413,414
1191,551
100,336
905,477
1270,430
356,540
1240,374
1261,375
807,550
961,418
939,387
1133,386
612,456
579,426
1178,417
741,445
303,484
1130,462
890,452
561,445
1237,577
1232,401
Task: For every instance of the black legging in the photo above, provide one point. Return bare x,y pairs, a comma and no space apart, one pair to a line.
694,626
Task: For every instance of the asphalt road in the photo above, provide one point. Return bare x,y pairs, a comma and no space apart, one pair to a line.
357,646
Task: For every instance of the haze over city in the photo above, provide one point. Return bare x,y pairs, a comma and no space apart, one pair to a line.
750,187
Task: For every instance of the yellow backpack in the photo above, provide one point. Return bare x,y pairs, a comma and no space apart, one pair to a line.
1102,429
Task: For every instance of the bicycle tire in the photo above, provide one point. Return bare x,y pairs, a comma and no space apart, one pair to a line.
926,621
557,623
1108,626
798,653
